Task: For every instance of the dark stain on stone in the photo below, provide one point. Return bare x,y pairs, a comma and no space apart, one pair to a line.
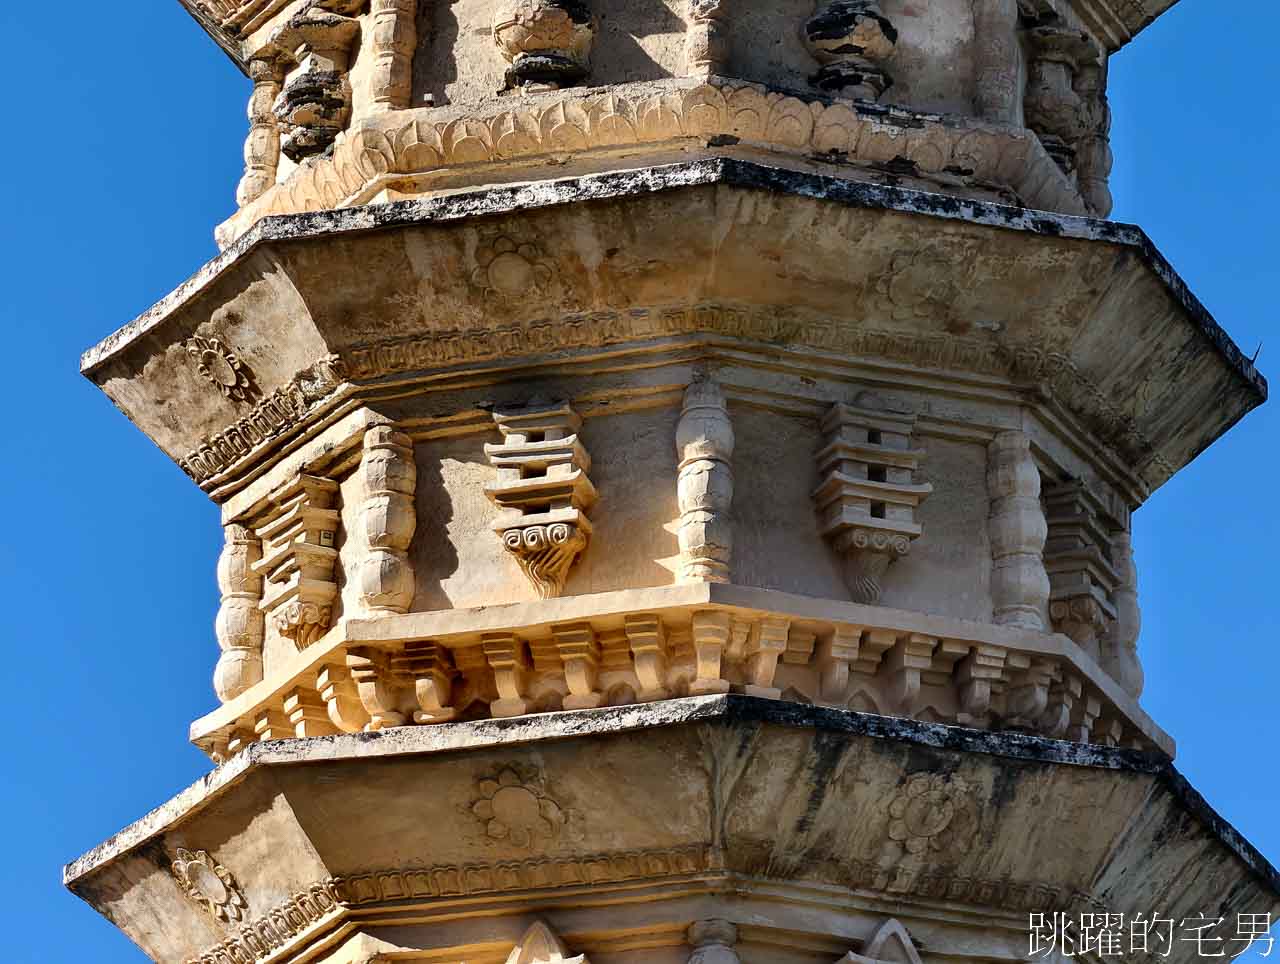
827,750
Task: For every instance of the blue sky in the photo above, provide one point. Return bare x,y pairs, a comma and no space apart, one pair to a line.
123,151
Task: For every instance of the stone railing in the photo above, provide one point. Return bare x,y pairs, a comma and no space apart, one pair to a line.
642,645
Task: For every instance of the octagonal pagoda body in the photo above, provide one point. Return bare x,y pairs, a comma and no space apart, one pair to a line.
677,466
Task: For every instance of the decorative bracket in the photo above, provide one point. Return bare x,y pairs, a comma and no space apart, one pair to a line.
867,500
543,492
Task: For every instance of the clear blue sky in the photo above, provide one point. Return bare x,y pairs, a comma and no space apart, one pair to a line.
123,134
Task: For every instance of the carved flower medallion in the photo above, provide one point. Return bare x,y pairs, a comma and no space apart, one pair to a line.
516,812
223,368
509,270
932,812
210,885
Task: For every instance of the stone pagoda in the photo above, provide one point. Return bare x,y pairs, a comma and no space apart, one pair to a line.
676,462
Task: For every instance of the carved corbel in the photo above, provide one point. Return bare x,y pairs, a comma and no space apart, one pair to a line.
1084,713
430,667
395,38
766,644
851,40
338,690
712,942
388,517
836,651
543,492
546,42
239,626
307,713
1107,731
1027,696
903,664
299,536
868,498
1017,530
508,657
711,630
315,105
239,738
706,43
975,676
378,689
272,724
1064,691
262,146
580,655
704,446
648,640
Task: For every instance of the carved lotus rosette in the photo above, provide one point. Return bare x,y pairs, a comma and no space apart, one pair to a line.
303,622
545,553
934,812
222,367
851,39
515,811
547,42
209,884
867,554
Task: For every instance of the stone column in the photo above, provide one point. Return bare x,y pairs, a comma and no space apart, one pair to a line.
1017,529
1093,156
704,445
996,95
851,40
1120,652
388,517
262,146
240,624
395,37
706,43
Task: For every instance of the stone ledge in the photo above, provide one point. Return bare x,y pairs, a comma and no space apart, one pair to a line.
729,708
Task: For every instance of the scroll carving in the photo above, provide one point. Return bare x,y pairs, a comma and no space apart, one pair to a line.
1017,529
704,445
851,40
262,146
240,625
868,497
543,492
395,37
299,534
389,519
546,42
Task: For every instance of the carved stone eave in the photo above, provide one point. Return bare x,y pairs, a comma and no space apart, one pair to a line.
1116,22
930,259
306,882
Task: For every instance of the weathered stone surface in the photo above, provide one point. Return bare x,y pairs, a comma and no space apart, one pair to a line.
738,807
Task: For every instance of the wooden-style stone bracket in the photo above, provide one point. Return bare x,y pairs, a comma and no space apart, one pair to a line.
711,634
431,668
239,626
648,640
581,657
543,492
308,714
508,657
1053,108
379,688
546,42
978,677
851,40
337,688
836,653
314,106
867,499
299,536
1027,696
903,665
704,447
1077,557
766,643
